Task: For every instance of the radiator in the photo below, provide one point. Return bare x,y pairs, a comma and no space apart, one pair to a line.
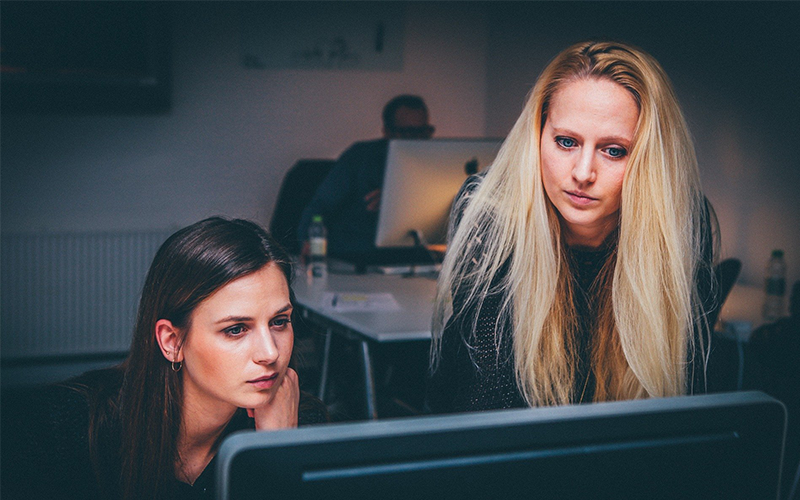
71,294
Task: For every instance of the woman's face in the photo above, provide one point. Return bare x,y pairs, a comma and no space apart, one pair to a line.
239,343
585,143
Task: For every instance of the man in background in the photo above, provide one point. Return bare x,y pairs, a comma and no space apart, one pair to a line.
348,201
349,198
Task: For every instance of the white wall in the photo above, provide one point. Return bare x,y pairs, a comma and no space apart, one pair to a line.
232,132
735,67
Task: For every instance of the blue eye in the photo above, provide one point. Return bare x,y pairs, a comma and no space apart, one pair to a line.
281,322
566,142
235,330
616,152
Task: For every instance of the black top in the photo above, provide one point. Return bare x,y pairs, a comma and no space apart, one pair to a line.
46,452
473,374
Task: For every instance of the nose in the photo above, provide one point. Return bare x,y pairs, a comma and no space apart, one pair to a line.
265,350
584,171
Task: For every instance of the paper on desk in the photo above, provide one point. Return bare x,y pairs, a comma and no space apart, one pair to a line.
359,302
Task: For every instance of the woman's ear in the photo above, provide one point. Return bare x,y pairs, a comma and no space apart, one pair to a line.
169,341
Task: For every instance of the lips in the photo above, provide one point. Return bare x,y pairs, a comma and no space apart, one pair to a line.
580,198
264,382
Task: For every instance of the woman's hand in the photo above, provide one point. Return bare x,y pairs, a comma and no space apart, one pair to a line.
281,412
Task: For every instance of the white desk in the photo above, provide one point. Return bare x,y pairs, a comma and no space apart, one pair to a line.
412,322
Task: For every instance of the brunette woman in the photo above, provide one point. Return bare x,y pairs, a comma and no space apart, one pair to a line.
210,355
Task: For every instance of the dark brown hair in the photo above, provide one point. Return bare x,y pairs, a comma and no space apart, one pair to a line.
191,265
414,102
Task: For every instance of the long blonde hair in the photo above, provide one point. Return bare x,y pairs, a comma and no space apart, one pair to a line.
509,241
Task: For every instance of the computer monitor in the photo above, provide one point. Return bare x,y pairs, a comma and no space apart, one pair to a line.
697,447
421,180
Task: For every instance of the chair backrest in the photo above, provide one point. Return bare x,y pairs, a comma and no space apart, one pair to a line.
726,272
297,190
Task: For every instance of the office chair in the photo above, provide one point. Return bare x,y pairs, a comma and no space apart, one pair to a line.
298,187
726,273
724,371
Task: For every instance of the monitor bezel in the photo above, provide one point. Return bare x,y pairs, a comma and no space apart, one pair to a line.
588,424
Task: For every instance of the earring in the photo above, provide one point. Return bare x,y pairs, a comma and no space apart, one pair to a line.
176,366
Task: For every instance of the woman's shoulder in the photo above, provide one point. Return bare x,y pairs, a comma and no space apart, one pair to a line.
47,429
471,184
461,200
69,404
96,382
80,406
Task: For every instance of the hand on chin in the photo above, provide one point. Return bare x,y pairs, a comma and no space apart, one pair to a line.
282,410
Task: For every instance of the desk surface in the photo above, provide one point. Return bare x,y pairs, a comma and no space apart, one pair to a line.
413,294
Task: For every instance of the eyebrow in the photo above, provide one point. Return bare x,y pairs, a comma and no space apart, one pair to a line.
283,309
235,318
229,319
613,138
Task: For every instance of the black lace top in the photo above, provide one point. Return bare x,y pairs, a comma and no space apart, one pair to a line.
475,374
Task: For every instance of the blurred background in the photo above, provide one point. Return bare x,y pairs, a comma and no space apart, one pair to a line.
123,121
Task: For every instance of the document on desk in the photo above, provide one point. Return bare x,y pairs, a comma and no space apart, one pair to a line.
359,302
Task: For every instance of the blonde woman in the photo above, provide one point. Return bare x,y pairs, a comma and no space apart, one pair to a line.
579,264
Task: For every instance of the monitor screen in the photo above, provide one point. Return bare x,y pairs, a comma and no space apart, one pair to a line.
421,180
697,447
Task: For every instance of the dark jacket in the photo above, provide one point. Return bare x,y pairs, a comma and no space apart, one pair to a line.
340,199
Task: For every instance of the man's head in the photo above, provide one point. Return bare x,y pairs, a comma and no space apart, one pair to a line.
406,117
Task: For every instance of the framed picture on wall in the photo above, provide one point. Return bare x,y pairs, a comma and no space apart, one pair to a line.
322,35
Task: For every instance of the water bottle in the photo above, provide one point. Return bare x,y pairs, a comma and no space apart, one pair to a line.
774,287
318,257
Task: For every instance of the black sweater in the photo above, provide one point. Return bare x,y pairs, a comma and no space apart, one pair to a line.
45,448
473,374
485,380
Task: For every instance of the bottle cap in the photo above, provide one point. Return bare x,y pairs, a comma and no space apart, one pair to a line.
777,253
316,218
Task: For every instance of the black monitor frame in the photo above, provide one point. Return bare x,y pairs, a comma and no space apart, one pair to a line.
713,446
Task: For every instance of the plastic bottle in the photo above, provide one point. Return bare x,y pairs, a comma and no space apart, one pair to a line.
318,256
774,288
